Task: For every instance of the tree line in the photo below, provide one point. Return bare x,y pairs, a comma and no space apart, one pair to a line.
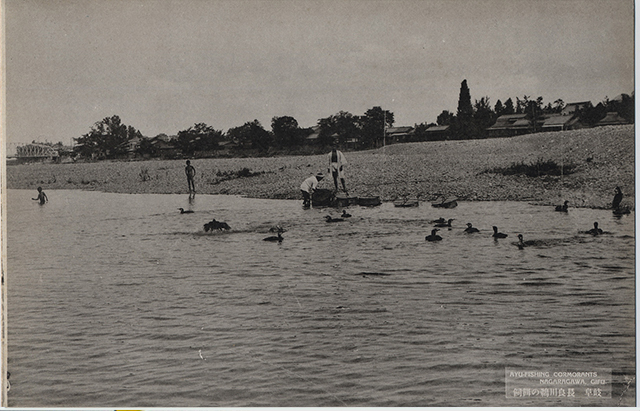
471,121
110,138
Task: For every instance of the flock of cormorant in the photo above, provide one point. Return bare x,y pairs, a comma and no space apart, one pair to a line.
214,225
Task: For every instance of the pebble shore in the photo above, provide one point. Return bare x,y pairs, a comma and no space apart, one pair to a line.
603,158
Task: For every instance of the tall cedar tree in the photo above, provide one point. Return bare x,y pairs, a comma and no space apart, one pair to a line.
465,109
464,127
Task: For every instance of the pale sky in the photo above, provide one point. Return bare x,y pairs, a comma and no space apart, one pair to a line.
164,65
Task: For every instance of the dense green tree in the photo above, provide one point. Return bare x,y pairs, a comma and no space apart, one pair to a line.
286,132
533,110
558,106
445,118
108,138
373,124
251,134
146,147
199,137
521,105
625,107
590,115
499,108
341,126
483,117
509,107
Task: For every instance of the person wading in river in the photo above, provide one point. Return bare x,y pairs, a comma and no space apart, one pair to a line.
42,197
307,188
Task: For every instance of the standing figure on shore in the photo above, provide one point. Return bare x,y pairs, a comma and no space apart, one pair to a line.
42,197
190,171
336,166
617,199
307,188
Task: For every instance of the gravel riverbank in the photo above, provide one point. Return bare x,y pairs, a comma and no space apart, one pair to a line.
603,158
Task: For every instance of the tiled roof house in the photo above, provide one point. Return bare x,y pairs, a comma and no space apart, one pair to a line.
612,119
509,125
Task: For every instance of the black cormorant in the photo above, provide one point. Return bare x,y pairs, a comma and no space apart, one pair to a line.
471,229
445,224
496,234
595,230
216,225
433,236
277,238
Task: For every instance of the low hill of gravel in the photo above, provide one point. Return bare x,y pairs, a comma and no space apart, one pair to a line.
601,159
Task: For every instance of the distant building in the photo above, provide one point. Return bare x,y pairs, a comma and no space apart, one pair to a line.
398,134
164,146
435,133
510,125
228,145
352,142
133,145
612,119
314,137
560,122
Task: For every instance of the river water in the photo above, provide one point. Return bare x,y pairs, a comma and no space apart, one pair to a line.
119,300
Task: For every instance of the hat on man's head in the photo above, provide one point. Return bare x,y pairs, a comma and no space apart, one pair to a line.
319,175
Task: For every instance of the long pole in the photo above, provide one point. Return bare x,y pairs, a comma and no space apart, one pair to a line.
384,128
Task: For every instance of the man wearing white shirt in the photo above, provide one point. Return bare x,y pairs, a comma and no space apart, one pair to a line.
336,166
308,186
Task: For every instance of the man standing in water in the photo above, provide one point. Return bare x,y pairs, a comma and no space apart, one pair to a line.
336,166
42,197
308,187
190,171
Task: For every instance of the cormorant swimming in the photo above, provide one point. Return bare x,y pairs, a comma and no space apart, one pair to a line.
345,214
564,207
183,211
496,234
595,230
277,238
216,225
521,243
444,224
470,229
433,236
333,220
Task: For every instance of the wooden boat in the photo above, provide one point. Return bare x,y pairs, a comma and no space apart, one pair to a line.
323,198
621,211
328,198
369,201
344,200
445,202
